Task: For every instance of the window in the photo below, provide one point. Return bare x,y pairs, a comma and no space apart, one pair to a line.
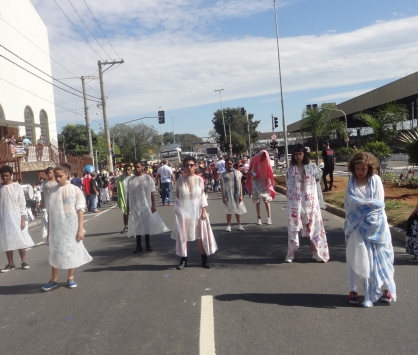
2,117
29,119
43,120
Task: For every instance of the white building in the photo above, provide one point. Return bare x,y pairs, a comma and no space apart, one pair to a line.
26,102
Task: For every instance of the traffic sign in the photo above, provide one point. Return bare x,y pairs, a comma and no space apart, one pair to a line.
347,139
273,137
230,146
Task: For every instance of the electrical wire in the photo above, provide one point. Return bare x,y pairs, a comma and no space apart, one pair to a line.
88,28
41,97
56,61
102,29
42,78
46,73
78,30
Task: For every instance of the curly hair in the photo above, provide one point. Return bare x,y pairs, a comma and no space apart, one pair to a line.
306,156
363,158
188,158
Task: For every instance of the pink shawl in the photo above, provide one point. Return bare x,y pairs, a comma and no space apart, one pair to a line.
263,171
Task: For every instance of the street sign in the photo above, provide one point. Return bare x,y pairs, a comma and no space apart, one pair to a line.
347,139
230,146
273,137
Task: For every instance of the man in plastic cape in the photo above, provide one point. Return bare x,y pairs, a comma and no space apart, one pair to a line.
122,184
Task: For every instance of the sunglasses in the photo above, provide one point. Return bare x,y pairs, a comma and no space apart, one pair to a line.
189,165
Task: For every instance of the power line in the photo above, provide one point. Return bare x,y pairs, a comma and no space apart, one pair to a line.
41,78
45,73
78,31
41,97
56,61
101,29
88,29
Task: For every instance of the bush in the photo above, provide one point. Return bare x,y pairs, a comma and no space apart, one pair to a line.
391,177
412,150
379,149
343,154
313,156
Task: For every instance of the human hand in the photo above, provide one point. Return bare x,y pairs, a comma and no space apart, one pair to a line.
203,216
22,224
240,199
224,200
80,235
153,208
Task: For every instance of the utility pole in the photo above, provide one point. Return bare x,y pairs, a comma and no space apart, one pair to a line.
105,123
86,113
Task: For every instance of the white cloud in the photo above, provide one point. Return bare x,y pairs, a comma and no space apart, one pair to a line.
173,60
339,95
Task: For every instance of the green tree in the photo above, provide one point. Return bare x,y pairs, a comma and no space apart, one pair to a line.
186,139
411,140
383,121
139,137
319,122
75,138
236,121
379,149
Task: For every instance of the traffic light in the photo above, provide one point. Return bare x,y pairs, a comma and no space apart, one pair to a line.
246,127
276,122
161,117
243,112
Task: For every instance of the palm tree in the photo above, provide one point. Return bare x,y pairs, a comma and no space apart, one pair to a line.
384,120
321,125
411,140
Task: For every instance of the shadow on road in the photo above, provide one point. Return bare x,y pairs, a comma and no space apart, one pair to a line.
25,289
311,300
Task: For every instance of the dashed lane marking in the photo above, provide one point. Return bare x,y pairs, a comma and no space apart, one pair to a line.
207,327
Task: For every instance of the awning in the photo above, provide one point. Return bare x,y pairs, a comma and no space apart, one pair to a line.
18,123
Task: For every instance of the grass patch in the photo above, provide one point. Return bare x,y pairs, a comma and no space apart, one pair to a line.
335,198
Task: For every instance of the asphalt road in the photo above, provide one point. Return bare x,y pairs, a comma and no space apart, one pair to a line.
127,303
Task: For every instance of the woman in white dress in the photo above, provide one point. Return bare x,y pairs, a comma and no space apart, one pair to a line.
66,204
13,234
47,185
231,188
191,219
143,218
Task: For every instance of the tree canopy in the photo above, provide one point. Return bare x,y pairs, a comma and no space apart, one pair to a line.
237,122
384,120
186,139
75,138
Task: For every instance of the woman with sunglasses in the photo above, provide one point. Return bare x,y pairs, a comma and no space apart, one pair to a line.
191,219
231,188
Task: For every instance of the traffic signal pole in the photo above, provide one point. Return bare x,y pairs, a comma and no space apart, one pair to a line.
105,122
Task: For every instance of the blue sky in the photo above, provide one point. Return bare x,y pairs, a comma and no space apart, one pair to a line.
178,52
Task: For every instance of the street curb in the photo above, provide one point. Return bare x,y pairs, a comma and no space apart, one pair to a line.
398,233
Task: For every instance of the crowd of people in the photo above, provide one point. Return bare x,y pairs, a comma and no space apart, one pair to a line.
369,250
20,146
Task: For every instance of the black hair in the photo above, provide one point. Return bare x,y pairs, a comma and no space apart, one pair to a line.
63,167
75,175
188,158
138,162
6,169
126,166
297,149
326,143
47,170
229,159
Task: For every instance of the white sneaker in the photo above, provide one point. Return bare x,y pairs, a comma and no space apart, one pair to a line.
289,259
269,220
228,229
317,258
259,221
241,228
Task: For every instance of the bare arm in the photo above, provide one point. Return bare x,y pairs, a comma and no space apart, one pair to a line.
153,208
80,231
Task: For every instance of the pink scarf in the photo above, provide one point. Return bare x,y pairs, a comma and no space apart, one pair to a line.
263,170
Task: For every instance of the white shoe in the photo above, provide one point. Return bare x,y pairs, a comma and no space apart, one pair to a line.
289,259
269,220
259,222
228,229
317,258
241,228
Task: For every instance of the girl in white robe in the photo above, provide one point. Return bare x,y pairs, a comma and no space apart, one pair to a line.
231,188
143,218
66,204
47,185
13,234
192,222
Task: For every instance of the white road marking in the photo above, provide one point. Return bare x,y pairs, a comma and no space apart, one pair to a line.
207,327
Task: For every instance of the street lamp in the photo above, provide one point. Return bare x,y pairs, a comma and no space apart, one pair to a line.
281,88
223,118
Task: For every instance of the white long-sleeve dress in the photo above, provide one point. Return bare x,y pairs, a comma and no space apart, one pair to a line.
141,219
12,208
65,252
47,185
229,179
